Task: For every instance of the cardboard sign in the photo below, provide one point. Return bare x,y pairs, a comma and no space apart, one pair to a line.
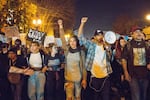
35,35
11,31
3,38
49,39
13,40
58,42
52,39
23,38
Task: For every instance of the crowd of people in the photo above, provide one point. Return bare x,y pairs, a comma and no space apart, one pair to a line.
81,69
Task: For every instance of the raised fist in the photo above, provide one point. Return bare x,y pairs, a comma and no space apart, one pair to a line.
60,22
84,19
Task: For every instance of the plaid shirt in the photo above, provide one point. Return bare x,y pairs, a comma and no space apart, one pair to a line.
91,48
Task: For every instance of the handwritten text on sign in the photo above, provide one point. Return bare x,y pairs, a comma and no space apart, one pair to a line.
35,35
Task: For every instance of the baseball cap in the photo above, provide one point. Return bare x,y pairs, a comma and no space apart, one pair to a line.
98,31
134,28
14,50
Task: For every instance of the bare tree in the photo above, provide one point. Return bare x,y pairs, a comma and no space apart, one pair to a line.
47,10
123,24
51,10
2,3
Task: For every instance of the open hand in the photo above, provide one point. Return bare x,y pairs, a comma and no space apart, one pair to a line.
148,66
127,76
44,69
84,84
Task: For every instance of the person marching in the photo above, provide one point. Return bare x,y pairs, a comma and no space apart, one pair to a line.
97,62
75,73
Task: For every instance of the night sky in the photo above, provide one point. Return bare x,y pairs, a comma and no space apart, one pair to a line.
102,13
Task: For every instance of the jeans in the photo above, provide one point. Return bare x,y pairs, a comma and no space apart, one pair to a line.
36,84
17,90
138,88
5,90
87,94
101,88
54,87
73,90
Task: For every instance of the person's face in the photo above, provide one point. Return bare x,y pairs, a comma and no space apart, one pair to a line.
12,55
148,42
17,43
54,49
34,48
98,38
143,36
138,35
73,43
4,49
122,42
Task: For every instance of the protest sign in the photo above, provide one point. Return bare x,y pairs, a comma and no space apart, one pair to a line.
11,31
35,35
3,38
52,39
58,42
22,37
13,40
49,39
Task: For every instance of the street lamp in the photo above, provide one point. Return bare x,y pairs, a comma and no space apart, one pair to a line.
146,30
67,36
37,22
148,17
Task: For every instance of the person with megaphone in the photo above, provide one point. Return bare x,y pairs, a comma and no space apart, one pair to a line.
97,62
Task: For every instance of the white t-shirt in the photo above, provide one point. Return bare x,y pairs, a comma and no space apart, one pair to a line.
35,60
99,69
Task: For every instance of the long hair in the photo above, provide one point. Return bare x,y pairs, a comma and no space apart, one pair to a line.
118,48
48,49
76,39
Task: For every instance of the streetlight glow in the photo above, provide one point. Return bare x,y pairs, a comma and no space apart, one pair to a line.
37,22
148,17
34,21
67,36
